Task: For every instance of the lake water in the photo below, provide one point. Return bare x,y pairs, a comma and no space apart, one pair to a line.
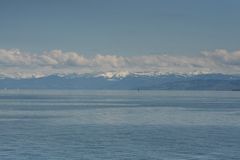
119,125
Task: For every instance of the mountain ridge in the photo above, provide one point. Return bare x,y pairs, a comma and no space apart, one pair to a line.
126,81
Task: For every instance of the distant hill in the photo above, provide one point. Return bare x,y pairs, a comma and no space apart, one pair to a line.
131,81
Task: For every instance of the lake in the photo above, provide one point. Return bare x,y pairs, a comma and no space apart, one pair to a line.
119,125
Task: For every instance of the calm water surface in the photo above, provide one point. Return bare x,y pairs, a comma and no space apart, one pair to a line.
119,125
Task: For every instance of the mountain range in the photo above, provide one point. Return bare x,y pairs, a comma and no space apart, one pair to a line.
126,81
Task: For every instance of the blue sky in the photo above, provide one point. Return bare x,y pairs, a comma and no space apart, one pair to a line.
120,27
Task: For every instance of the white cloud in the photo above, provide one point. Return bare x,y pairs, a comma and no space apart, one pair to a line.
14,57
21,64
68,58
223,57
109,61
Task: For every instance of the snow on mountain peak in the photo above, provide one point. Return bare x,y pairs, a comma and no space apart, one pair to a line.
110,75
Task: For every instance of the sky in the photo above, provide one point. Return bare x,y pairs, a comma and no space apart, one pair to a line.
165,34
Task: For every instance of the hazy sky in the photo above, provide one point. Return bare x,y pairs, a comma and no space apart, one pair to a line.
120,27
42,37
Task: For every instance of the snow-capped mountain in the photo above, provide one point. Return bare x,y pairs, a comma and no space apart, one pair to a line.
125,80
111,75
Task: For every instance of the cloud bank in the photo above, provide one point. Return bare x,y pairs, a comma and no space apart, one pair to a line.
15,63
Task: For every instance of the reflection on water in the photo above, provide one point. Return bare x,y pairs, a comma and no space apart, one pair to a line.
62,124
